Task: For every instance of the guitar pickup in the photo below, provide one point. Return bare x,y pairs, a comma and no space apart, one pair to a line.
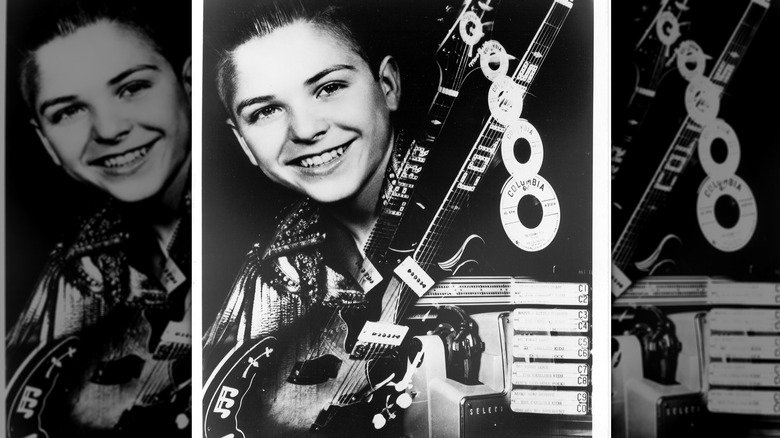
376,339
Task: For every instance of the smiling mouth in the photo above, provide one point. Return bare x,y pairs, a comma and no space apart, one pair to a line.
125,159
323,158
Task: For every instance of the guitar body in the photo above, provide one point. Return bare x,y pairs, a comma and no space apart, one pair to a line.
250,393
108,382
29,392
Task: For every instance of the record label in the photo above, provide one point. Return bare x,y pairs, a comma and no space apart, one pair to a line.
505,100
538,234
730,191
492,53
719,130
690,60
667,28
743,374
702,100
518,131
470,28
546,320
550,347
549,374
744,320
732,401
744,347
549,402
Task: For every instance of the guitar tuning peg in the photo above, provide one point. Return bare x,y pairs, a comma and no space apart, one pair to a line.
404,400
379,421
182,421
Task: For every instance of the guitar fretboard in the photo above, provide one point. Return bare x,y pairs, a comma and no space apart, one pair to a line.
652,61
454,57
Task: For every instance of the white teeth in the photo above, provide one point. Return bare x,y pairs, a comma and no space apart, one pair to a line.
323,158
125,159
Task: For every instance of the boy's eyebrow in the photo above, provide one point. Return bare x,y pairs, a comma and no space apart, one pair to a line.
328,71
118,78
57,100
113,81
308,82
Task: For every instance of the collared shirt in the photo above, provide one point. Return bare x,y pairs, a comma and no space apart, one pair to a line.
280,283
111,261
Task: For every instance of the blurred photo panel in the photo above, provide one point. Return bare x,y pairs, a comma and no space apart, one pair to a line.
98,218
695,267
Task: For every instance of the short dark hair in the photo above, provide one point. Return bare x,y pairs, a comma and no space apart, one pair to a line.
350,22
65,17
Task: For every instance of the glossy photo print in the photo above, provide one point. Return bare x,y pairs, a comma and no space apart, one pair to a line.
98,288
695,267
398,198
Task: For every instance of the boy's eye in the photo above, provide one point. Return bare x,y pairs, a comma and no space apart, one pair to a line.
133,88
331,88
264,113
66,113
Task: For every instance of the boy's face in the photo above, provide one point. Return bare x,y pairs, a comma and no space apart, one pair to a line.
111,110
310,113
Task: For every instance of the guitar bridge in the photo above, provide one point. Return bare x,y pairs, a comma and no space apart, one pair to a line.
377,339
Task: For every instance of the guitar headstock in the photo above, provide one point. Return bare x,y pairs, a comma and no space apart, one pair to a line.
459,52
661,43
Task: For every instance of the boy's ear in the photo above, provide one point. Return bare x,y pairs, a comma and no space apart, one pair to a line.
242,142
390,81
46,143
186,74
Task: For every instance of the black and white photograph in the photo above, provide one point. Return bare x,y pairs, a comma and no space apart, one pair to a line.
397,215
97,287
695,266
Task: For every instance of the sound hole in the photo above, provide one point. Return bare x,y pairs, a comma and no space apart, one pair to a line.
727,211
522,150
529,211
719,150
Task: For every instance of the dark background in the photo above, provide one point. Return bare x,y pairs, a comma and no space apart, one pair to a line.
42,203
240,203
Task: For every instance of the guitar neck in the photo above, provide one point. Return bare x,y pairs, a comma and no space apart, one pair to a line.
456,57
652,56
412,165
682,148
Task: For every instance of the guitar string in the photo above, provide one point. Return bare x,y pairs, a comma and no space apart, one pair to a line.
159,377
689,131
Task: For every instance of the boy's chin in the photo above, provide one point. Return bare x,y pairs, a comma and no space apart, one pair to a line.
134,192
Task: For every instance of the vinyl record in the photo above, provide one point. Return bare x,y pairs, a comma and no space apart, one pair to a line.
528,229
522,130
721,231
